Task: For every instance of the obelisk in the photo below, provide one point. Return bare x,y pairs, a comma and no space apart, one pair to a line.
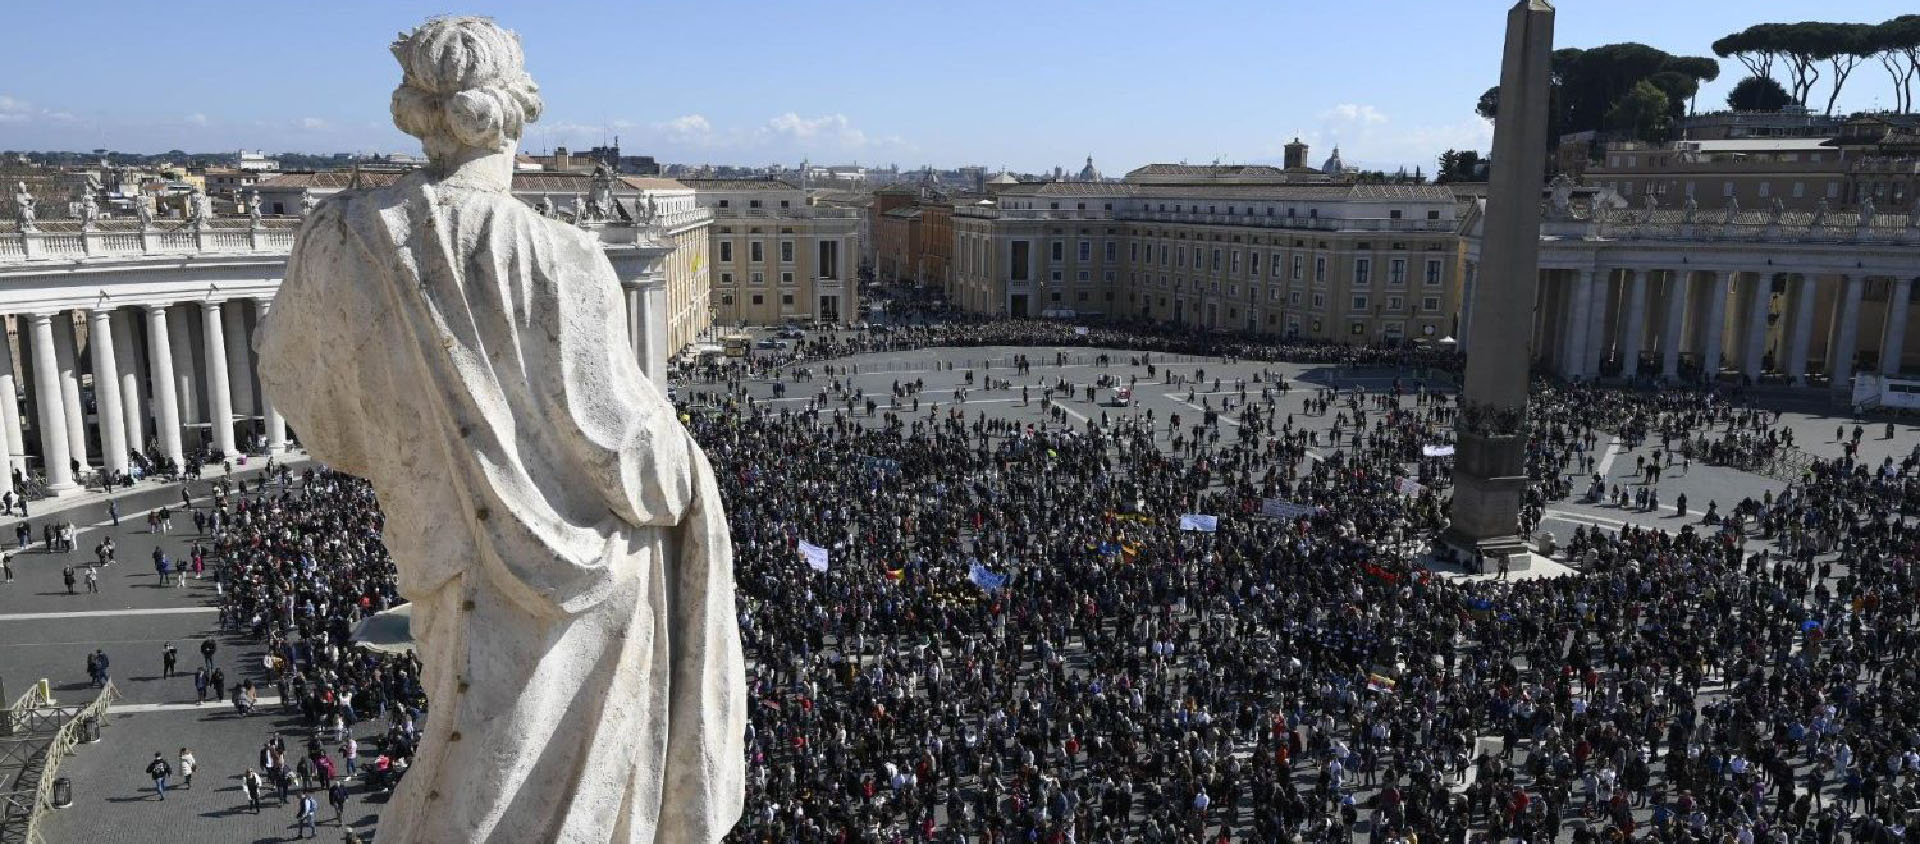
1489,470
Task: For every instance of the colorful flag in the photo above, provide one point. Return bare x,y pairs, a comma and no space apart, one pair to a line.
896,575
1380,683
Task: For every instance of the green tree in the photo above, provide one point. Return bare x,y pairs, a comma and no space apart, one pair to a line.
1844,46
1897,44
1643,113
1587,83
1758,93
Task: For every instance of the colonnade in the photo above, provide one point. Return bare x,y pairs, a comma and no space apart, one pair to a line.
1680,323
156,372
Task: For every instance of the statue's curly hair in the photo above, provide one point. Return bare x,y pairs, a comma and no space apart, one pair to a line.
465,81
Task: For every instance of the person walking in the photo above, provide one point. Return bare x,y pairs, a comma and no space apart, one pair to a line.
337,797
66,574
200,684
113,512
159,770
188,765
207,649
169,659
6,566
304,817
93,581
99,668
251,782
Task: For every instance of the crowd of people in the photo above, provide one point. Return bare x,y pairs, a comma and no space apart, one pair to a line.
1016,640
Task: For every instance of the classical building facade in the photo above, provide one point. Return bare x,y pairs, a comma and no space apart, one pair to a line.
1678,295
773,257
1285,252
127,336
912,236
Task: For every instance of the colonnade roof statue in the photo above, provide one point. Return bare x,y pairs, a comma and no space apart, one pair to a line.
558,532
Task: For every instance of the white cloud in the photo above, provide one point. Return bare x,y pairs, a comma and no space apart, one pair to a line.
15,110
686,124
1363,115
196,119
312,123
794,125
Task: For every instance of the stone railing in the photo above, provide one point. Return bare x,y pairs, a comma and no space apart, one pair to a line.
68,241
1748,226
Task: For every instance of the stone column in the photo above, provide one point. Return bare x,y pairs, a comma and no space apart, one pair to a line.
219,394
240,366
1802,331
66,350
186,368
1679,285
1715,326
1636,323
53,411
1753,357
106,390
166,391
133,400
1466,306
1580,299
1896,337
1848,337
1598,338
13,441
276,424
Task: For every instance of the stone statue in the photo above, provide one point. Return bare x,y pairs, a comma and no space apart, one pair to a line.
1560,197
24,207
143,208
1778,210
558,533
1866,212
1733,210
600,202
89,211
652,211
1820,211
199,208
253,206
1688,210
546,206
307,202
1650,204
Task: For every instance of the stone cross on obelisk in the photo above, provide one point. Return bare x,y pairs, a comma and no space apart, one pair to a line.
1489,464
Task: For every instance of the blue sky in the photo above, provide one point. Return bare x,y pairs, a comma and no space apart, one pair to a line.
1021,84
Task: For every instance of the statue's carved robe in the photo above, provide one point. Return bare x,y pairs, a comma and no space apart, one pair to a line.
558,531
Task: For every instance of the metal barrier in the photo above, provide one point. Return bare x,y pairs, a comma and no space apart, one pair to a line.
23,811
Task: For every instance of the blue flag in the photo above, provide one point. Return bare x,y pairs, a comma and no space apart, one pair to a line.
985,579
1204,524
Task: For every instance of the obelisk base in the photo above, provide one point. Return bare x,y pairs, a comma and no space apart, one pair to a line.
1489,486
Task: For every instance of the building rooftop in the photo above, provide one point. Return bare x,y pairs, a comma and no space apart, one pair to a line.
716,183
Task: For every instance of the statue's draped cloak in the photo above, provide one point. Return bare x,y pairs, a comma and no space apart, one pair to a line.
557,530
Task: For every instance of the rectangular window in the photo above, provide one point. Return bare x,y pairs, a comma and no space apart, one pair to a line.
1234,265
786,278
1397,271
726,278
829,265
1163,254
1180,256
1430,303
786,298
1319,269
1059,251
1086,250
786,252
1433,272
1766,189
1112,249
1299,266
1799,189
1083,275
1293,298
1319,301
1395,303
753,203
1726,188
758,278
1359,303
1362,269
756,251
1216,259
1017,270
757,299
1833,190
1133,251
726,251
